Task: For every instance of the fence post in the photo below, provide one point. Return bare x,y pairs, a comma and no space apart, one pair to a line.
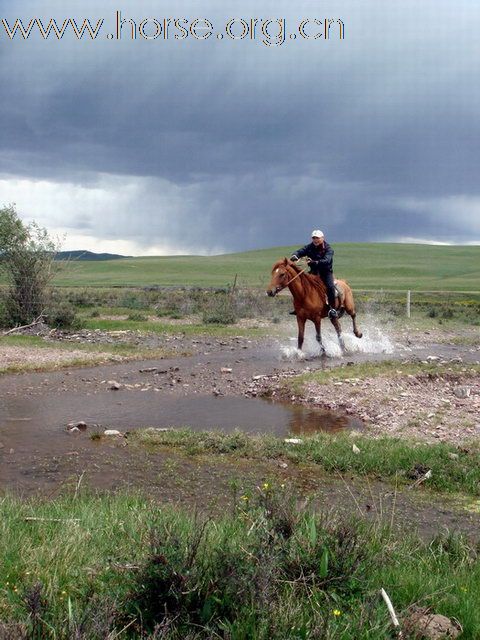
409,297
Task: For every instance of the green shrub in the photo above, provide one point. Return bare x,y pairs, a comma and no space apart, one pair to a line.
219,311
62,315
137,317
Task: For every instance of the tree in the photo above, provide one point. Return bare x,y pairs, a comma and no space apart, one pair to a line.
26,258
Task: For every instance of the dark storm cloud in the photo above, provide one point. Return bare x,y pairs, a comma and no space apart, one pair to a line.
246,145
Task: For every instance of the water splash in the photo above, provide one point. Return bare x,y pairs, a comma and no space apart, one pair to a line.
375,340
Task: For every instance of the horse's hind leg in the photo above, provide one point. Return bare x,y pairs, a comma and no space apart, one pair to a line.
318,335
350,309
338,329
356,330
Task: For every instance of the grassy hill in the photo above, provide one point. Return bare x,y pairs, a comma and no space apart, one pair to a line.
364,265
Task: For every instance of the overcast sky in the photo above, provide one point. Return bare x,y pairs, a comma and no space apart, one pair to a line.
154,146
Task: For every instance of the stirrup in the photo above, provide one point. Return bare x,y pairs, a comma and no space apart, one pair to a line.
332,313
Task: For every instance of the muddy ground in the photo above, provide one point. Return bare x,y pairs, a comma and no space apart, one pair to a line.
38,455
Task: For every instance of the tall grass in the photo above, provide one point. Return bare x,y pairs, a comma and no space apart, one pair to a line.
122,567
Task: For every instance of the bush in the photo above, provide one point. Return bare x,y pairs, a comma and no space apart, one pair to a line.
220,311
137,317
134,301
27,259
62,316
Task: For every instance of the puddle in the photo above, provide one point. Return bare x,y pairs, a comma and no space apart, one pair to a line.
37,424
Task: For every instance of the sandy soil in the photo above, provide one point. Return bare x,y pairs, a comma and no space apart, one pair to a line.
12,356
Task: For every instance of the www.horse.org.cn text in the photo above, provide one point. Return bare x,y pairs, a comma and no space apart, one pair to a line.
272,32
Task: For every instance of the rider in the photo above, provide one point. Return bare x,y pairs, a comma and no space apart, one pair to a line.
319,256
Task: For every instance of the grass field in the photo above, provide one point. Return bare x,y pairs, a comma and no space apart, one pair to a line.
365,266
121,567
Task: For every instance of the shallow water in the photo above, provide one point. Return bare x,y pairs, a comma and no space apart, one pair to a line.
38,424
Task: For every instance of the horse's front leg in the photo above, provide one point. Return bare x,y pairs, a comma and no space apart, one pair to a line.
318,334
301,331
338,329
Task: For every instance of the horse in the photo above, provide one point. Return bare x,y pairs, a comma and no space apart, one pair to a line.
310,299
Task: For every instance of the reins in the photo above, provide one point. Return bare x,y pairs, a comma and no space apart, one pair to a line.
290,281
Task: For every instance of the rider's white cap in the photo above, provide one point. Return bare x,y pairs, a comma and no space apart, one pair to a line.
316,233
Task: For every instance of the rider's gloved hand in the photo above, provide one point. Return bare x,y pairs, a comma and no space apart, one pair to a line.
294,258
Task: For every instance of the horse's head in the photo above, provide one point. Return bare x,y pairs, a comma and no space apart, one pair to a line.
280,277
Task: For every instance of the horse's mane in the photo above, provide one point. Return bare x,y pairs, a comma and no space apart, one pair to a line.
314,281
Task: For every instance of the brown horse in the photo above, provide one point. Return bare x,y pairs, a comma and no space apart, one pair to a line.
310,299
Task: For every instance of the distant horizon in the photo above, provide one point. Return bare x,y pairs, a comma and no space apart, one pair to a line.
266,248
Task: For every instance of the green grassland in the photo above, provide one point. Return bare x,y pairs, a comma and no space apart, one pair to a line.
122,567
364,265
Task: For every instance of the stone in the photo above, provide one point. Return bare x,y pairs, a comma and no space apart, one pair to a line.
355,449
293,440
114,385
79,426
422,624
462,392
226,370
112,433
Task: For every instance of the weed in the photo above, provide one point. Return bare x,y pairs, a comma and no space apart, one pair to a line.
385,458
268,570
137,317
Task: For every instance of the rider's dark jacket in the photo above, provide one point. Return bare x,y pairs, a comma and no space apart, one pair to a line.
321,256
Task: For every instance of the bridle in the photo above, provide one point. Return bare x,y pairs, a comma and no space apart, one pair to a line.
284,286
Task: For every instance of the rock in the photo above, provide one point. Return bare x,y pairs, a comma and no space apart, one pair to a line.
74,430
149,370
433,358
293,440
355,449
112,433
79,426
423,625
453,456
226,370
114,385
462,392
